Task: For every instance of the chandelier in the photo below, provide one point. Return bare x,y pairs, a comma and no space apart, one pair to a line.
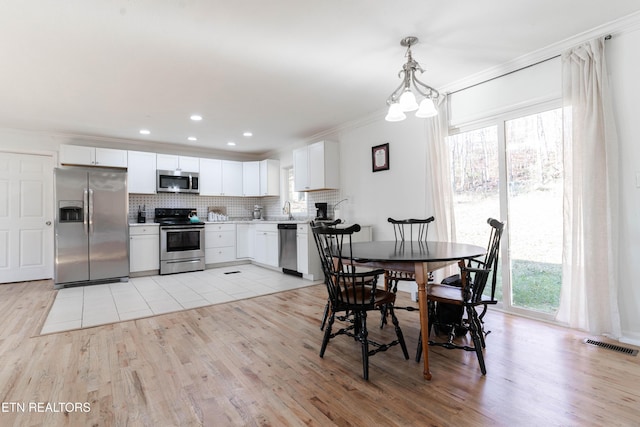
403,99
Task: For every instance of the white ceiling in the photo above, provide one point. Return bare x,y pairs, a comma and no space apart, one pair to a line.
284,69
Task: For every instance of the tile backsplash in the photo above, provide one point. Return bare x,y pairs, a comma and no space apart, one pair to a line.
237,207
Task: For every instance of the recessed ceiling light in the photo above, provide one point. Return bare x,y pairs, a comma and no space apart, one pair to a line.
196,117
192,138
247,134
231,143
145,131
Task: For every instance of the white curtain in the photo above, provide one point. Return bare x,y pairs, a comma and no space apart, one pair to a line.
439,173
589,297
439,180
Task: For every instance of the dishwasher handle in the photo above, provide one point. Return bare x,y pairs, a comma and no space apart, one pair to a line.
287,226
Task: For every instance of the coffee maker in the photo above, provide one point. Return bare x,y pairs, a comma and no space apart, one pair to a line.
321,211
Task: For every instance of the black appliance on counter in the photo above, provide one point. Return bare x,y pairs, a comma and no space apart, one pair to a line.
181,240
142,214
321,211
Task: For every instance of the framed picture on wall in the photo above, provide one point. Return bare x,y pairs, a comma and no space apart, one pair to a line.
380,157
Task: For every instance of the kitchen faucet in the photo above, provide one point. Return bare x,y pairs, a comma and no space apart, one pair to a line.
336,212
287,209
336,205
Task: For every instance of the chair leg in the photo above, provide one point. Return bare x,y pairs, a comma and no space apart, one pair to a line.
393,286
475,335
363,335
383,316
324,315
327,334
480,329
396,324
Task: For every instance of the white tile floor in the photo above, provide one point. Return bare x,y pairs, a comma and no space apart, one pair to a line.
86,306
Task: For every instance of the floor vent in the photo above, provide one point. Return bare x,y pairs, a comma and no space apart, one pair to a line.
617,348
232,272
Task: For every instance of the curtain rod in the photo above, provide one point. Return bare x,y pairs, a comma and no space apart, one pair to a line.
607,37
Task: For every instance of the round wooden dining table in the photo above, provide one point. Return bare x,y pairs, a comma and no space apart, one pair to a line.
419,258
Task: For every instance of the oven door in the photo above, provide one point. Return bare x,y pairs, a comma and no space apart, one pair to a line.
181,242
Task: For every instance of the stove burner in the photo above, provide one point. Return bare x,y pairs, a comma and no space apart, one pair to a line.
174,216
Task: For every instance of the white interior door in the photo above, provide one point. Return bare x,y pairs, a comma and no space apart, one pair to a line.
26,217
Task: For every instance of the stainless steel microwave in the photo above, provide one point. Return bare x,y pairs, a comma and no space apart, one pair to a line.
178,182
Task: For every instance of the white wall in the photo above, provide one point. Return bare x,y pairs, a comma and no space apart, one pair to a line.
623,64
399,192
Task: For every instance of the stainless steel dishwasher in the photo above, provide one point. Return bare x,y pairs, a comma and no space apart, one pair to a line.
288,251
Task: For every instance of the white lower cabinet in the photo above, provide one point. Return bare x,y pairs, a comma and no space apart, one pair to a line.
308,258
245,241
266,244
219,243
144,248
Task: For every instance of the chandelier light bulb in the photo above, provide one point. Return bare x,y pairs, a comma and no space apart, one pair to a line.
395,113
408,101
427,109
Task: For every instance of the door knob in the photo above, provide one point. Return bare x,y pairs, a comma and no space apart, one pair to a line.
48,222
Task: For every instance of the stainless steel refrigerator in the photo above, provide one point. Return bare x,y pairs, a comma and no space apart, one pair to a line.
91,227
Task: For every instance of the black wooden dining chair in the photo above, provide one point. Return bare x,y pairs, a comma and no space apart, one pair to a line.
405,231
331,224
352,293
474,277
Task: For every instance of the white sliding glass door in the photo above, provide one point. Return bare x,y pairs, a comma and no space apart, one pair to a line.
511,169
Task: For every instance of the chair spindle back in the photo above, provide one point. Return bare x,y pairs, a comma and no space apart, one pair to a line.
411,229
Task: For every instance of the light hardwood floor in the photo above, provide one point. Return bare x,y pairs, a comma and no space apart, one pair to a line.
255,362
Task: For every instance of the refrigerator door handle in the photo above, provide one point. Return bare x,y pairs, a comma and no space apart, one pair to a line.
85,216
90,211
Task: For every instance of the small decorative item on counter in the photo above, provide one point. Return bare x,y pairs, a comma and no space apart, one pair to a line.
215,217
217,213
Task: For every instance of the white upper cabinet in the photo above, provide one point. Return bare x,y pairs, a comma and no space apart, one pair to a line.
221,177
210,177
217,177
301,169
91,156
111,157
250,179
231,178
170,162
141,172
270,177
189,164
317,167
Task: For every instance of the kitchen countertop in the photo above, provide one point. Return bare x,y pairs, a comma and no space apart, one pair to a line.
233,221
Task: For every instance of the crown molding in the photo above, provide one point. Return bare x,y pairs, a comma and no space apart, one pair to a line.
620,26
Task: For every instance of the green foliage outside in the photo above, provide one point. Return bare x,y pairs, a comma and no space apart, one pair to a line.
536,285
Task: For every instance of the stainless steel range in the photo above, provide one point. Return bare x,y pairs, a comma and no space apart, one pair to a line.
181,240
